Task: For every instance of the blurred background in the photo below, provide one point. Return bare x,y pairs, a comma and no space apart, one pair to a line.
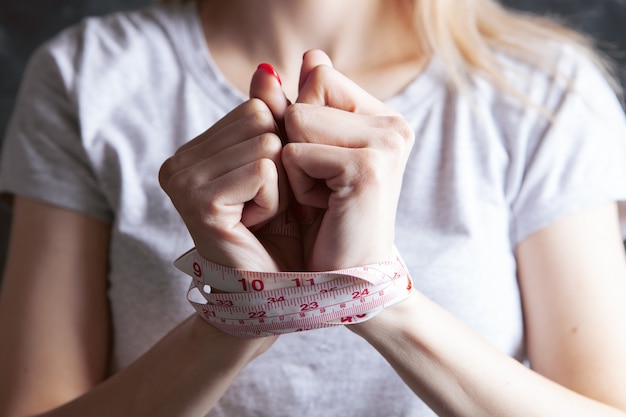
24,24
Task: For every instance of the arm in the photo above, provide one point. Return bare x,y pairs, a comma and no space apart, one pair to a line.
54,322
48,309
54,316
572,276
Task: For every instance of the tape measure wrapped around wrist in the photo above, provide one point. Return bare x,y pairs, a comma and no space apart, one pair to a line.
257,304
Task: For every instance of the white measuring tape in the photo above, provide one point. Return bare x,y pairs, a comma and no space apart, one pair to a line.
256,304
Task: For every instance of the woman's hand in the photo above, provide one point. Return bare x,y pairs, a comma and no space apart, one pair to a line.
228,183
345,157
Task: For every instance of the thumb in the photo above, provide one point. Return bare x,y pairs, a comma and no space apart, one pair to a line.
320,84
310,60
267,86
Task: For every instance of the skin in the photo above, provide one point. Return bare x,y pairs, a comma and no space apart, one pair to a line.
571,273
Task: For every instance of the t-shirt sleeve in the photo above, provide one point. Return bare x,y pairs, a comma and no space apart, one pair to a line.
578,159
43,156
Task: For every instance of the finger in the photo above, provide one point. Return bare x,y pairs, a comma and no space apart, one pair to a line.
207,173
311,59
247,120
266,201
324,86
316,171
330,126
357,190
255,122
312,90
251,190
309,193
267,86
265,146
247,194
221,211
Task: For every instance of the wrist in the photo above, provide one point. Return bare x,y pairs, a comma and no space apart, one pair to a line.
226,350
194,364
390,322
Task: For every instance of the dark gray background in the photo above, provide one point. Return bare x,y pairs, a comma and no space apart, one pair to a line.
24,24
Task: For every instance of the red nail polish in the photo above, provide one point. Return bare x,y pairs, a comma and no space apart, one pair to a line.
270,69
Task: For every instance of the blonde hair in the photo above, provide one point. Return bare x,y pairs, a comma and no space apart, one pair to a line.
467,34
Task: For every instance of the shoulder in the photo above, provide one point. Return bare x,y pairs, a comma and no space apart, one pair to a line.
560,73
561,90
123,41
566,143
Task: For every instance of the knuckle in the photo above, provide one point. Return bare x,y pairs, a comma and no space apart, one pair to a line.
295,117
399,136
268,144
372,166
197,200
317,84
406,132
292,113
373,169
320,74
289,155
256,105
290,150
261,121
210,211
264,169
399,126
166,172
184,184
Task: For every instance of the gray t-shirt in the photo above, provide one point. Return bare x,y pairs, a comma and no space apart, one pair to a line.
106,102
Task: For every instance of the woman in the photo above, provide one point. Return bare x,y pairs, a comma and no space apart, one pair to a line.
500,167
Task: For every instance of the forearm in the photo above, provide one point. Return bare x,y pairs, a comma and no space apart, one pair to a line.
183,375
457,373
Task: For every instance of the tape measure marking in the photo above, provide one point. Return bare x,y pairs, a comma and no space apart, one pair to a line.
263,303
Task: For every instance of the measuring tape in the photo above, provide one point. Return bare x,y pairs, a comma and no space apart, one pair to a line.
256,304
